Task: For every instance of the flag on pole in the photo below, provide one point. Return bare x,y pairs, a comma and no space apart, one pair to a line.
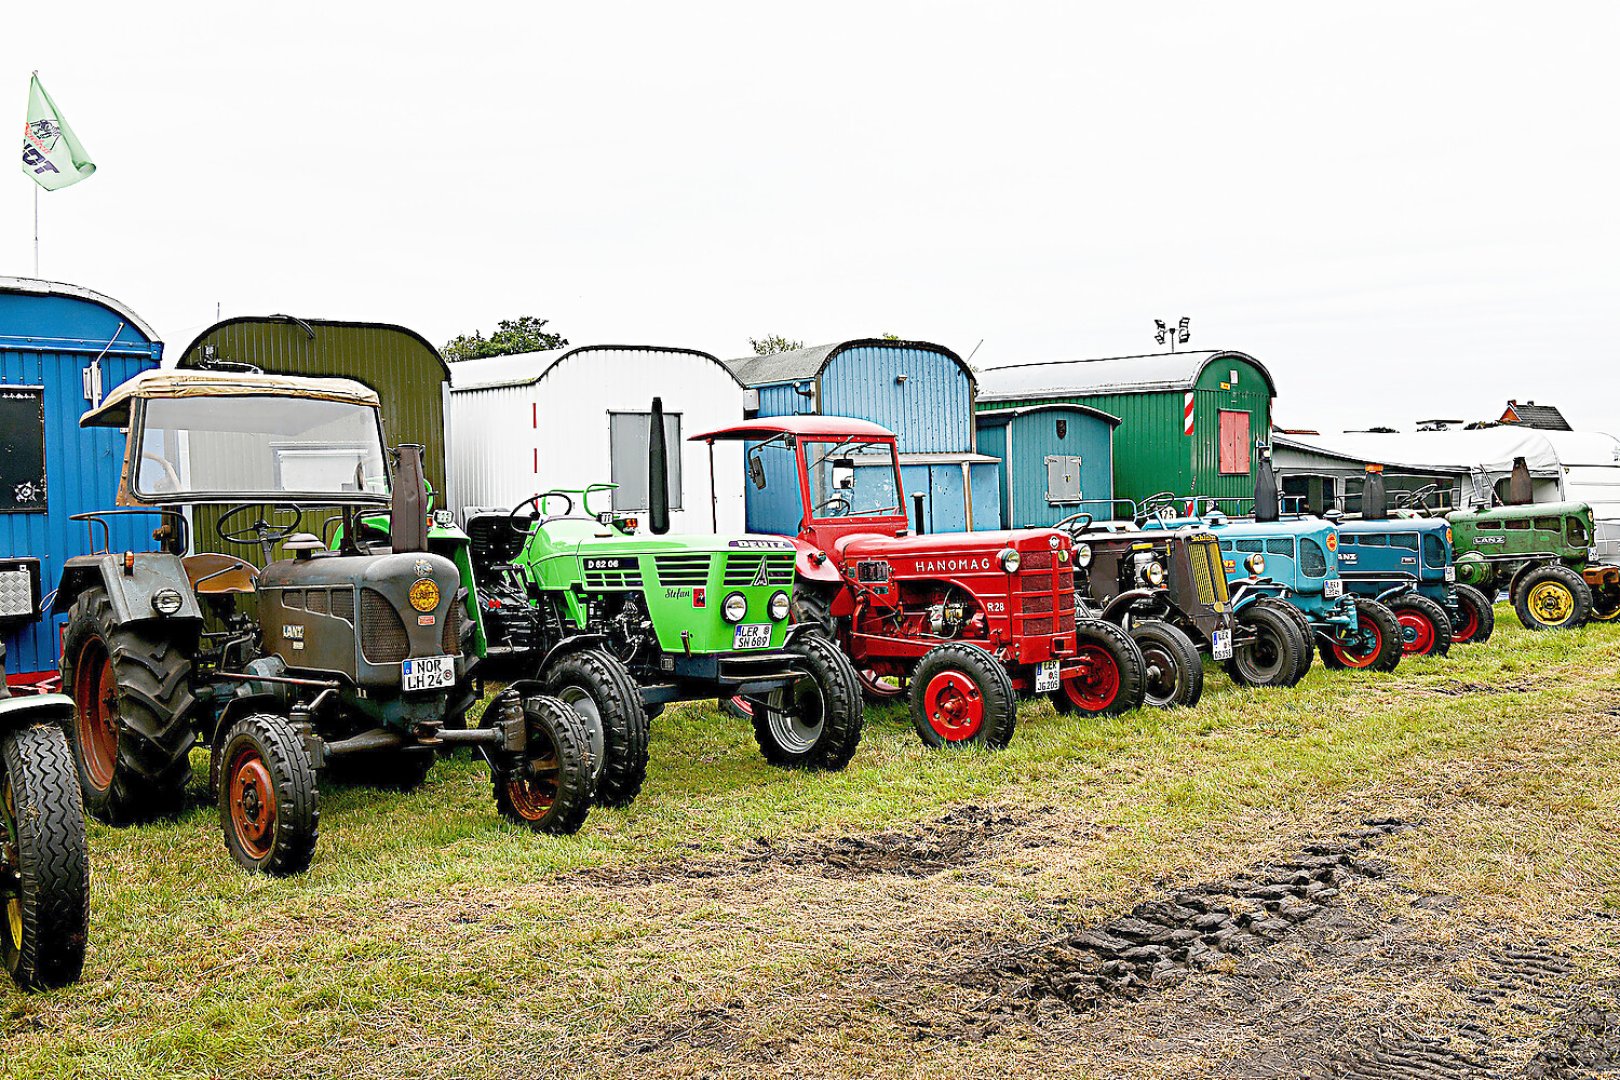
52,155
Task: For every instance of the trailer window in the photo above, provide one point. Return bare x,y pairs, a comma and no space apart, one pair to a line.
22,449
1234,449
629,447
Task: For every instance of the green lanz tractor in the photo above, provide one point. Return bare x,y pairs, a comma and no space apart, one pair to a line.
1542,555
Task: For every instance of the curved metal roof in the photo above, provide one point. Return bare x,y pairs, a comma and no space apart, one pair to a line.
526,369
993,416
40,287
191,358
800,364
1148,373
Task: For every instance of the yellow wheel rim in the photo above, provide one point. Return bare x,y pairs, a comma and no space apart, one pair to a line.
14,911
1552,602
1606,616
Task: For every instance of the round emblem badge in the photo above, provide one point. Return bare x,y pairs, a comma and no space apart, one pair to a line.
424,595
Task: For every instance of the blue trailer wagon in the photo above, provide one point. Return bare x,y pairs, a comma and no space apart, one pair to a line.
1057,460
62,348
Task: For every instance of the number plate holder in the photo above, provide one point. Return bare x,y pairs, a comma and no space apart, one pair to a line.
1048,676
751,636
427,673
1220,645
1333,588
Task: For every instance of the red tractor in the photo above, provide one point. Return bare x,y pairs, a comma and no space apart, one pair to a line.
966,621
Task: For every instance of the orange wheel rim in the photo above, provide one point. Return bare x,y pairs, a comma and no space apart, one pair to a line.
95,716
253,803
532,796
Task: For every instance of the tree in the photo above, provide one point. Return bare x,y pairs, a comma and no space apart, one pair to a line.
886,336
526,333
775,343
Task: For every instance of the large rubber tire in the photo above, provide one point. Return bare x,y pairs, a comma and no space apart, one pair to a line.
601,690
1273,658
134,716
1113,676
1174,674
45,907
1381,648
823,727
1307,634
1552,597
812,605
960,696
556,797
269,804
1606,603
1476,617
1425,626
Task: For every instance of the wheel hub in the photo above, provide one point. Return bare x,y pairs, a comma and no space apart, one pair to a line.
253,803
1553,602
954,706
1096,684
1417,632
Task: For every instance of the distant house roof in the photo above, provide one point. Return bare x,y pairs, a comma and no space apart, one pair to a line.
1529,414
798,365
40,287
1149,373
526,369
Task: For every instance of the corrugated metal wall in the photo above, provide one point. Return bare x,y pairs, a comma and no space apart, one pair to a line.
924,397
49,341
1026,442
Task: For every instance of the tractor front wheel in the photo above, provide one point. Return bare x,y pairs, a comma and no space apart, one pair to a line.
814,722
550,790
1112,676
962,695
601,690
1425,627
1174,675
1552,597
44,868
1271,656
1376,645
1476,618
269,805
1307,634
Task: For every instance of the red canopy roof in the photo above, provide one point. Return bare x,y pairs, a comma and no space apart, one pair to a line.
804,427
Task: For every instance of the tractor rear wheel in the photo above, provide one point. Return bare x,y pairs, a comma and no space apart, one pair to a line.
1112,677
1272,656
1425,627
134,712
269,805
1307,634
1552,597
815,721
44,868
1377,645
550,791
601,690
1174,675
962,695
1476,618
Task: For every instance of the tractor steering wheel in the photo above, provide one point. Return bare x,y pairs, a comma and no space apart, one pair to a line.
1075,523
260,531
1418,498
839,499
539,503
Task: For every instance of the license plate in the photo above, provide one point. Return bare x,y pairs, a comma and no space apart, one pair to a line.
1220,645
1332,589
1451,573
428,673
752,636
1047,676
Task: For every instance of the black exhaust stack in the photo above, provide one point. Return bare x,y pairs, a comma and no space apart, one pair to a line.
1521,492
657,471
1374,499
1267,503
408,522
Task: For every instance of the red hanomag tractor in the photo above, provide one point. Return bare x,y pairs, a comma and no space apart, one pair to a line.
968,620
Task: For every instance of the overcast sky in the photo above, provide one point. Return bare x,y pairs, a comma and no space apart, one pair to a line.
1404,209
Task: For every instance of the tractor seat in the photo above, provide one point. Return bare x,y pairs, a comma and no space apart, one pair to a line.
212,574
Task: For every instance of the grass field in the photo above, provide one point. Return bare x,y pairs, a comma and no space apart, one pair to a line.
900,918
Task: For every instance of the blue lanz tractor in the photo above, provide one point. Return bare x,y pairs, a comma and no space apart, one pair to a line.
1406,564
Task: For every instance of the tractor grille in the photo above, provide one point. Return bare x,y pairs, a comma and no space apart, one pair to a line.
343,604
683,569
1281,545
319,602
1312,559
628,578
744,570
450,640
1043,594
1209,577
382,632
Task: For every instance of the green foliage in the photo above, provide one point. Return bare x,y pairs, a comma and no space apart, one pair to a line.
886,336
526,333
775,343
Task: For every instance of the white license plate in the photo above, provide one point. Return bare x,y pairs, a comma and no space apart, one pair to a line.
1332,589
752,636
428,673
1220,645
1451,573
1047,676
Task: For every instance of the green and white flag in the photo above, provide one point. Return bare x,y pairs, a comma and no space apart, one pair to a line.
52,155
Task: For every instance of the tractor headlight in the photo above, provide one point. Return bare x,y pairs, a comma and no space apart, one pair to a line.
1011,560
1256,564
1154,573
1082,554
735,608
779,606
167,601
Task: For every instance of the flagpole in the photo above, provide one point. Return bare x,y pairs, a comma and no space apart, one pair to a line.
36,230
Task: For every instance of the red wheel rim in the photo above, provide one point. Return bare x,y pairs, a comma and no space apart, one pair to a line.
954,705
1418,633
1467,624
95,697
253,802
1096,685
873,684
1362,659
532,796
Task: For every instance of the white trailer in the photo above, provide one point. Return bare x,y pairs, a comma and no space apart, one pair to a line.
523,424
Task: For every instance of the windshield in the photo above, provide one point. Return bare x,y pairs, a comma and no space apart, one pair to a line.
852,478
258,445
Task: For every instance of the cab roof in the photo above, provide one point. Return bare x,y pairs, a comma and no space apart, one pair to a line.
804,427
150,385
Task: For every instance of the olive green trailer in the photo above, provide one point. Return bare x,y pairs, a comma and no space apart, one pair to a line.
1189,422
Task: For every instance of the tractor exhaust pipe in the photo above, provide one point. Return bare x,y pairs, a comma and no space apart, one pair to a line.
408,520
1521,491
657,471
1267,506
1374,498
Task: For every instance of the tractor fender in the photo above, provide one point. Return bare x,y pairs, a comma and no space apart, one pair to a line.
814,564
1525,568
17,713
576,643
130,581
1116,608
244,705
1395,590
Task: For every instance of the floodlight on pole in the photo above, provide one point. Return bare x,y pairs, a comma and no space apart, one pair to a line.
1180,335
1160,332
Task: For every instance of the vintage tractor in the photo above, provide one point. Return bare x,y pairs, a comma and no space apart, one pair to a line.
1167,590
1542,555
969,620
44,868
281,668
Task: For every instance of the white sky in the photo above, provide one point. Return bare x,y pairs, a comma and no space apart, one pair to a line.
1404,209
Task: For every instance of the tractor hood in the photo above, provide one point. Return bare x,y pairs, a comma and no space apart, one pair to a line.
949,548
590,538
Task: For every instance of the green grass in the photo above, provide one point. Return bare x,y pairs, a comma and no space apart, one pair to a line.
430,938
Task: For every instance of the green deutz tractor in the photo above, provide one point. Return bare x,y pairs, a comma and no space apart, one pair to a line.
284,668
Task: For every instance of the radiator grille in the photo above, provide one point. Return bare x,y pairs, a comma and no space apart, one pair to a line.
627,578
343,604
1312,559
318,601
744,570
1038,605
382,631
1281,545
1209,576
683,569
450,641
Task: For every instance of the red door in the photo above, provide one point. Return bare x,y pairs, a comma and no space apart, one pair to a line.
1234,443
